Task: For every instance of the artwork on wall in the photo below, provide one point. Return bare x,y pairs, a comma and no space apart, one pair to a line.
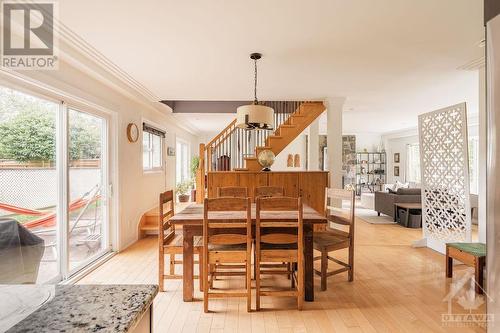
289,161
396,171
396,157
296,161
170,151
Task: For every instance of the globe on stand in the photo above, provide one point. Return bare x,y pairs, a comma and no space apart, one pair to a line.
266,159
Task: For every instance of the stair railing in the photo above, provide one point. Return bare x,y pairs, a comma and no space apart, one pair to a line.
228,149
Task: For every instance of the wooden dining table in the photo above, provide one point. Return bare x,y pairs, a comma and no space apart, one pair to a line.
191,220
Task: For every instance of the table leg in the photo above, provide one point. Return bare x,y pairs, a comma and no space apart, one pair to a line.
395,213
449,265
478,267
407,217
308,263
187,264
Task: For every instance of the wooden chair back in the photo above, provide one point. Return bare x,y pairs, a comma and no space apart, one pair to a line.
218,230
269,231
232,191
269,191
339,210
166,230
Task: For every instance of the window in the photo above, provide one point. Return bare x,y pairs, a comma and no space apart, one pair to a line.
152,148
413,163
58,196
182,161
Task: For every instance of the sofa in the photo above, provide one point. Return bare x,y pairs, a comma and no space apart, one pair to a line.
384,200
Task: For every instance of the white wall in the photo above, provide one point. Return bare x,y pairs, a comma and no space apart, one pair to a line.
368,141
397,142
137,191
393,146
297,146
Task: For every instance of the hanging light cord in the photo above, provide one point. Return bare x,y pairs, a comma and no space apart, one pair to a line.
255,83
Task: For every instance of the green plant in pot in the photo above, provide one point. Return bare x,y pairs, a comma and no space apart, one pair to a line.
182,190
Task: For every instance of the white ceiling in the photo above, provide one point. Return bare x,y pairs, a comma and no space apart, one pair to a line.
391,59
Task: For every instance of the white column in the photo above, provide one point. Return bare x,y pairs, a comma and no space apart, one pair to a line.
313,146
334,140
482,157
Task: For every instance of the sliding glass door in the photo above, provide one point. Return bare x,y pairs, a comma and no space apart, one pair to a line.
87,213
53,188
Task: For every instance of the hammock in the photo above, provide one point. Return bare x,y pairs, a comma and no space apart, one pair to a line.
48,218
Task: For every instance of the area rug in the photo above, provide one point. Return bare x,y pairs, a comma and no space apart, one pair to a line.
371,216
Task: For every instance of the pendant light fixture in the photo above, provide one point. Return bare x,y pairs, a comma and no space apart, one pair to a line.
255,116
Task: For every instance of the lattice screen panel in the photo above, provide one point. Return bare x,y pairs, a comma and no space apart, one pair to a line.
445,174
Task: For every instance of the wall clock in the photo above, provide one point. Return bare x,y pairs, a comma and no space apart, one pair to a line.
132,132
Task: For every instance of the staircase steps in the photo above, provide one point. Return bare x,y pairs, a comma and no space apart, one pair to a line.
296,123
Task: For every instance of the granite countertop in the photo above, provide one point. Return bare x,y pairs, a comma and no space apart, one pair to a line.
76,308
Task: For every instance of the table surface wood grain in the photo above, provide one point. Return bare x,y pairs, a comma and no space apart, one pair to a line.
193,214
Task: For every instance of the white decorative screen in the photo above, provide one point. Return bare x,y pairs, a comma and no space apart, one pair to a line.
445,176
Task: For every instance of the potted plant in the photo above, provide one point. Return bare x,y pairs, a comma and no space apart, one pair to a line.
195,163
182,190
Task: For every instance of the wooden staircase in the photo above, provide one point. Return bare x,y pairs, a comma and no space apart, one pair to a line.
237,149
296,123
149,223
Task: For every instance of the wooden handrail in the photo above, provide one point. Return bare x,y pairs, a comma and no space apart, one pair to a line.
218,136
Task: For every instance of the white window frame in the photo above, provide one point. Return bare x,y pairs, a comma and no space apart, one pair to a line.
151,169
408,173
36,89
178,156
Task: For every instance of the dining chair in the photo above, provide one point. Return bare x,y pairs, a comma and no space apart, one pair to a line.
227,243
265,192
280,242
336,237
269,191
170,241
232,191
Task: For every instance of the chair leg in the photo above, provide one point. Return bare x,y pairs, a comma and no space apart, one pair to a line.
300,283
161,270
212,277
172,264
257,283
200,269
249,283
206,284
294,270
324,269
351,263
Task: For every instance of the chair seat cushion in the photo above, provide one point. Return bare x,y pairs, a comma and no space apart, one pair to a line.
475,249
178,239
326,239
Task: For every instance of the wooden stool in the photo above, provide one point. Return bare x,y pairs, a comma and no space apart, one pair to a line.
471,254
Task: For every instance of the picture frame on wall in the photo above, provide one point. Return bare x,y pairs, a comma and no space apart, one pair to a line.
170,151
396,171
396,157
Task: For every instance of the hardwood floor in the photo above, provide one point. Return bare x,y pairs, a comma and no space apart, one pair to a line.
396,288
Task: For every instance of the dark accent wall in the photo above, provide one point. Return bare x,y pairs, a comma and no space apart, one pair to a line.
491,9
